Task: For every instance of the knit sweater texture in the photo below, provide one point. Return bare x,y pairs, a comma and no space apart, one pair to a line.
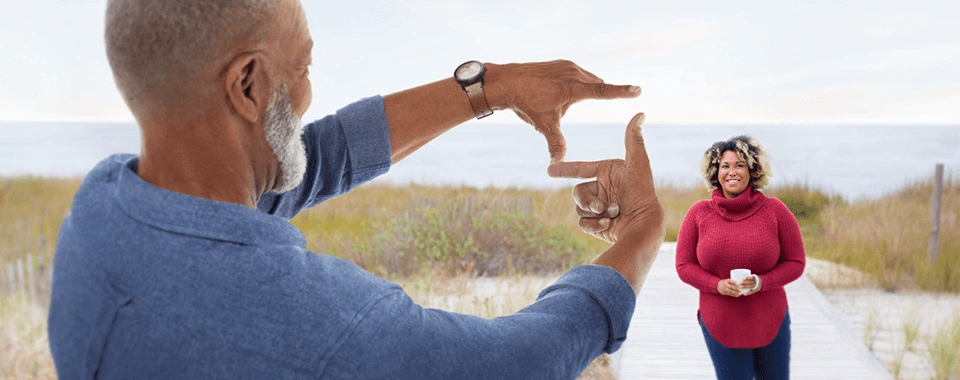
750,231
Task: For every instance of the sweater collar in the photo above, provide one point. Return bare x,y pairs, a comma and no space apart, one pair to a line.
740,207
193,216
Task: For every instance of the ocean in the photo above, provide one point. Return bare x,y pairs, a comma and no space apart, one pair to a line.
854,161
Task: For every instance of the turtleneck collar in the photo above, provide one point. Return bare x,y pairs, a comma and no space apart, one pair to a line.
740,207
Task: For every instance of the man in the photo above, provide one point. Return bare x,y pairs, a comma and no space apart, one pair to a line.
181,263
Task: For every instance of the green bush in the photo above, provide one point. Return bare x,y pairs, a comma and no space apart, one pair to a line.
453,236
804,202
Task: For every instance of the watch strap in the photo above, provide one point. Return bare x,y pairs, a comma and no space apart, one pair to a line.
478,100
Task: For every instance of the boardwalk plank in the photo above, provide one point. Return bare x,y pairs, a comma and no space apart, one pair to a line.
665,342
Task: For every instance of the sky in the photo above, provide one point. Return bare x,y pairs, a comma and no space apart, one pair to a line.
698,62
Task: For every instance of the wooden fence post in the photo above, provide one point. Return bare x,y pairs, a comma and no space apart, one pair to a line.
935,230
20,279
31,277
10,278
3,260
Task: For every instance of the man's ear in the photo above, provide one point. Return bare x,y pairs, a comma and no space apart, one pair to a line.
246,86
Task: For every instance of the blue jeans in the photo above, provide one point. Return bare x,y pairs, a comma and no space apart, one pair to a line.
768,362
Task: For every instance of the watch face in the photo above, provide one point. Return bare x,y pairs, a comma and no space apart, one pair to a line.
468,70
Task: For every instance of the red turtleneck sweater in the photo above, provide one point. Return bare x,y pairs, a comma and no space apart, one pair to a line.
750,231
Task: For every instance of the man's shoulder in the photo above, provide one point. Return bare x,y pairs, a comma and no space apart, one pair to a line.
94,202
108,169
95,197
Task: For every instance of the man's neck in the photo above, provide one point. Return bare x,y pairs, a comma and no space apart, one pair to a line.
208,159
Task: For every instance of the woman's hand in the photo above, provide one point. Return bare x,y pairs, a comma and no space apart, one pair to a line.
729,287
749,283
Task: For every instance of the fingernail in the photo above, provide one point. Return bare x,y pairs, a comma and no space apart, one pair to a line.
604,222
613,210
635,89
596,207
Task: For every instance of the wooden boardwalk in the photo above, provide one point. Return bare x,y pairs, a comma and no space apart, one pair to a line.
665,342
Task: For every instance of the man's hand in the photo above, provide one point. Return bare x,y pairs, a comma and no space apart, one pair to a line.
540,94
622,199
620,206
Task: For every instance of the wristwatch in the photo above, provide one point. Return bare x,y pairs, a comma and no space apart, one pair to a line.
470,77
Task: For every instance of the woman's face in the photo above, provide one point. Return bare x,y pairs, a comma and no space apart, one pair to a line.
733,174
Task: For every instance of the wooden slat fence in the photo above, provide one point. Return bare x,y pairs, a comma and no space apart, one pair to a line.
26,260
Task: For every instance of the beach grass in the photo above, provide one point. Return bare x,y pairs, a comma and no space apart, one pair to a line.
24,351
945,351
888,238
436,240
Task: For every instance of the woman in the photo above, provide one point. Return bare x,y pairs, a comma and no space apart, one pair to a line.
747,333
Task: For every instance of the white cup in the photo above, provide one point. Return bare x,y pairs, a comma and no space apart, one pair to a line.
739,275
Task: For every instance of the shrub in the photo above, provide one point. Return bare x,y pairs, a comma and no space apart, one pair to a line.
454,236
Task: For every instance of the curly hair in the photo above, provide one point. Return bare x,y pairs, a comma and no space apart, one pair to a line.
748,150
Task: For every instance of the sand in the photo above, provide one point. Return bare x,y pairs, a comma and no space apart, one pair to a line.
884,317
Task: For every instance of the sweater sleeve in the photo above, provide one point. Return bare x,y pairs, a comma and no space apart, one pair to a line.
688,267
792,257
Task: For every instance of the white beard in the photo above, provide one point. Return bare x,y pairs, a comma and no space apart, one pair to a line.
284,132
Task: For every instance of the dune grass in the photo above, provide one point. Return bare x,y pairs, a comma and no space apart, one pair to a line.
427,226
945,351
888,238
403,231
24,351
437,240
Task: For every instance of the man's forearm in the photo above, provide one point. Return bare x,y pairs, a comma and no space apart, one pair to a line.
539,93
633,255
420,114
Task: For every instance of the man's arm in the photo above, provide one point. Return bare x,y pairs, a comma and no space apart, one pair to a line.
361,141
343,150
585,313
539,93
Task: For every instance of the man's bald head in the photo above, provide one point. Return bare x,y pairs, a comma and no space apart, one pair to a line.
162,51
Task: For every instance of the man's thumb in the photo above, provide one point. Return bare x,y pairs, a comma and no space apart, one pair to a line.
638,164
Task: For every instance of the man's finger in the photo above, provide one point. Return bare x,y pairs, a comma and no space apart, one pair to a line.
585,196
592,226
608,91
549,127
638,164
610,212
574,169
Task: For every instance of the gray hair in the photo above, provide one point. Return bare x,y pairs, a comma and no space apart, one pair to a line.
748,150
156,47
